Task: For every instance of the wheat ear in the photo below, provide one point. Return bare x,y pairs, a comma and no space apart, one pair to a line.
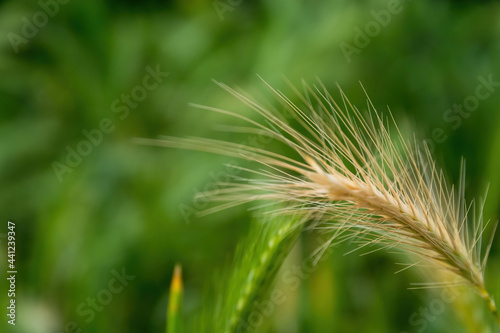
257,261
357,178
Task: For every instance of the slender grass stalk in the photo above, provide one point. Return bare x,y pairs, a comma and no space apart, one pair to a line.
174,312
361,180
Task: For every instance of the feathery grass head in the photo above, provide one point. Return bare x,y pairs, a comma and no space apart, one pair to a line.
360,181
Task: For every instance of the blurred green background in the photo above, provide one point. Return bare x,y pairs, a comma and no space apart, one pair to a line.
131,207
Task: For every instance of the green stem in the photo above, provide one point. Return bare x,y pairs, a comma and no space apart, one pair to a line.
174,310
491,304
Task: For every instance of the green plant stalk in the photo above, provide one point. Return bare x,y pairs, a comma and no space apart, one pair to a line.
491,304
174,312
256,263
266,271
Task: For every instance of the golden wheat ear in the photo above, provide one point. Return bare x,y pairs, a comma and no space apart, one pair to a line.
358,178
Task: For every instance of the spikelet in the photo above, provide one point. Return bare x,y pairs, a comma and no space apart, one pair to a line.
362,183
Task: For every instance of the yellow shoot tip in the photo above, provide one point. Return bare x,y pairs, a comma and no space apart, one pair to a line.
175,302
176,285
